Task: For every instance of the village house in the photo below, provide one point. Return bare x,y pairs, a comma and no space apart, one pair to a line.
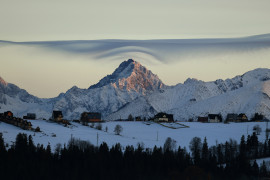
57,116
138,118
30,116
203,119
232,117
214,118
90,117
242,118
163,117
8,114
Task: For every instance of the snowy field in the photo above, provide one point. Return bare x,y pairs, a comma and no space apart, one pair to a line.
150,134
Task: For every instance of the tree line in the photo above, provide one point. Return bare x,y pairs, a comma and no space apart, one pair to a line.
81,160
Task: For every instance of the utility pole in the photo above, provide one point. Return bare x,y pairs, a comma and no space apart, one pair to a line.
157,135
247,130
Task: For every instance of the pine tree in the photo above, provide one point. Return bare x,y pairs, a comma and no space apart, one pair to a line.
220,155
205,152
255,168
242,146
2,144
263,170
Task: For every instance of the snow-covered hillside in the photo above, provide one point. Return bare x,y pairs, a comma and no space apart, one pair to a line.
150,134
133,89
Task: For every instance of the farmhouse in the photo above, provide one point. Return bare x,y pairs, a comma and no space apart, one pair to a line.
91,117
214,118
163,117
8,114
242,118
57,116
232,117
138,118
202,119
30,116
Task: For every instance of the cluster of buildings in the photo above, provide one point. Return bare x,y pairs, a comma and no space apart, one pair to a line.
94,117
86,117
8,117
231,117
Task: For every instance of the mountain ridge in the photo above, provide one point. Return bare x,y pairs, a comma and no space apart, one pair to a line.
133,89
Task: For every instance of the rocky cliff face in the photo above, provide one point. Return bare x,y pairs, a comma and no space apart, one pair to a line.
131,76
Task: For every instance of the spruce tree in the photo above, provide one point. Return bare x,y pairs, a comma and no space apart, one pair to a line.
205,152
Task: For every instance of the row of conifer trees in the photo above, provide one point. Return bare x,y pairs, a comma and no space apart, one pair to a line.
81,160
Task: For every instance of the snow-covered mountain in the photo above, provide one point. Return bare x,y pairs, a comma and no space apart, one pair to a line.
248,94
128,82
131,76
21,102
132,89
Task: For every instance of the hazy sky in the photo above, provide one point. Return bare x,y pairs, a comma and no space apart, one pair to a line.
47,74
34,20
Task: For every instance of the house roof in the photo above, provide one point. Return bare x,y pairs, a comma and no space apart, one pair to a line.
242,115
213,116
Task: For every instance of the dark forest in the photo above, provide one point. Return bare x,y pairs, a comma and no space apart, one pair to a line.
81,160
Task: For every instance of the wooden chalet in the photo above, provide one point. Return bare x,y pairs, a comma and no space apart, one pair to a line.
8,114
57,116
242,118
232,117
214,118
30,116
138,118
202,119
90,117
163,117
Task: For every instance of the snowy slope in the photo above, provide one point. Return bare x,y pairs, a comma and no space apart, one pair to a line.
133,133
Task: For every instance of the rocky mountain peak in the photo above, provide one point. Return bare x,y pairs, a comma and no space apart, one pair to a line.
131,75
2,81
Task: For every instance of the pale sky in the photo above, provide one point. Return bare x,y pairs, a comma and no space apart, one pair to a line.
36,20
48,73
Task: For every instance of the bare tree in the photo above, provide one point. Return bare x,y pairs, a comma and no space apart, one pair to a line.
257,129
195,147
99,126
118,129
